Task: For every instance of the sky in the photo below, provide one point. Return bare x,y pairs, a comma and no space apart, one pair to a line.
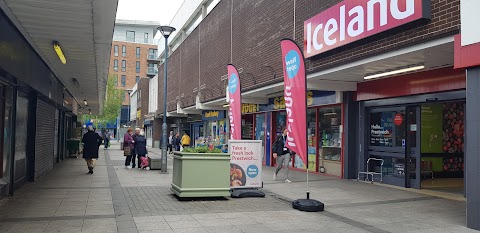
161,11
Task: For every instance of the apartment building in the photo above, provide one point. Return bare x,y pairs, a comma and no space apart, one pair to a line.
133,44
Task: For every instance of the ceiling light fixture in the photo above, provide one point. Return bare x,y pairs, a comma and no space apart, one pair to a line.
329,114
226,105
399,71
58,50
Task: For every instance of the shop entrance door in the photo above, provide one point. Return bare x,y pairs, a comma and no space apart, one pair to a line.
394,140
197,133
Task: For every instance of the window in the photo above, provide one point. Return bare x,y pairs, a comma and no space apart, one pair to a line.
152,54
124,51
145,38
115,80
115,65
115,50
131,36
137,79
138,52
139,94
124,65
137,66
383,131
124,96
124,80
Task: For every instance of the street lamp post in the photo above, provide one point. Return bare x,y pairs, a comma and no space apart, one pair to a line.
129,106
166,32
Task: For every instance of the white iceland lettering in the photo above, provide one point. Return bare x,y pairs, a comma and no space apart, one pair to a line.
397,14
325,33
371,13
358,20
330,28
290,121
231,117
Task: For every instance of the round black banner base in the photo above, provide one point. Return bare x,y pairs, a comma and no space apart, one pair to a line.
241,193
308,205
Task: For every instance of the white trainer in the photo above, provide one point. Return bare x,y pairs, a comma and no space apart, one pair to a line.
274,176
288,181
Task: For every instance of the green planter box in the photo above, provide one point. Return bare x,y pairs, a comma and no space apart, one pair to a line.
201,174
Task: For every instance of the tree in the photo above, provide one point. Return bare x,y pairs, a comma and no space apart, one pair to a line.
111,106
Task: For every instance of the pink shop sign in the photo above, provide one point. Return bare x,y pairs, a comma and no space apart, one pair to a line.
353,20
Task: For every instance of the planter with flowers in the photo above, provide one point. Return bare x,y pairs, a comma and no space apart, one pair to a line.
201,172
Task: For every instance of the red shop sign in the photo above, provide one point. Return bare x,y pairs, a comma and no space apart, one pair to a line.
353,20
398,120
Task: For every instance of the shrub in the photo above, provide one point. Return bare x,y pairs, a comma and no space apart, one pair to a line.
201,149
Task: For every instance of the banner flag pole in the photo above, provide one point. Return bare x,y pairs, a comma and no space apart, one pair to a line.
295,88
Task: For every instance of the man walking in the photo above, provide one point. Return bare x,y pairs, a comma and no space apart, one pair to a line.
91,142
171,139
177,142
106,139
282,154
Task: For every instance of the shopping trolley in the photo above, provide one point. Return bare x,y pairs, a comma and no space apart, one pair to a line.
369,173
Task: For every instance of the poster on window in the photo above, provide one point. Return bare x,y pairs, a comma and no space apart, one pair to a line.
431,128
381,129
245,163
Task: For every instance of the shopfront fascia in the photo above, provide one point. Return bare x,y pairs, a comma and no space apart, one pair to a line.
415,123
325,133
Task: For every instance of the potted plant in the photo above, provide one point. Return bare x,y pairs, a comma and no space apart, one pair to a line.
201,172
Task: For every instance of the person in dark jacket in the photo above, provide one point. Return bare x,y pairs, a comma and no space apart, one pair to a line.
177,142
106,138
128,145
141,147
91,142
282,154
134,151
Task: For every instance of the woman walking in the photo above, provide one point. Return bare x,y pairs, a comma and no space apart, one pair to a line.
141,147
91,142
282,154
128,144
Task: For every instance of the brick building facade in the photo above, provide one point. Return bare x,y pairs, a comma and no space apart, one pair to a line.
247,33
131,59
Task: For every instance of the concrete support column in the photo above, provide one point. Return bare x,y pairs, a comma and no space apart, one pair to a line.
472,152
350,130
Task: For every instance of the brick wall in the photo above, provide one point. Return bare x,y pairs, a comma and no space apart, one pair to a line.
215,50
131,60
160,89
258,27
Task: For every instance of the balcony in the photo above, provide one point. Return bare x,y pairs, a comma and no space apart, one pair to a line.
139,40
153,58
152,71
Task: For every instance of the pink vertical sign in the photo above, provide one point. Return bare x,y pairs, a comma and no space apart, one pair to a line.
235,110
295,97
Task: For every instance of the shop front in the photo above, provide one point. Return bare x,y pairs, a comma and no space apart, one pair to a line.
324,120
416,130
212,131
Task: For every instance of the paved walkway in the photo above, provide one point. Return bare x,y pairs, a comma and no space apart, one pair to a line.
118,200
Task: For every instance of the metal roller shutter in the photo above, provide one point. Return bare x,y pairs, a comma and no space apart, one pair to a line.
45,136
